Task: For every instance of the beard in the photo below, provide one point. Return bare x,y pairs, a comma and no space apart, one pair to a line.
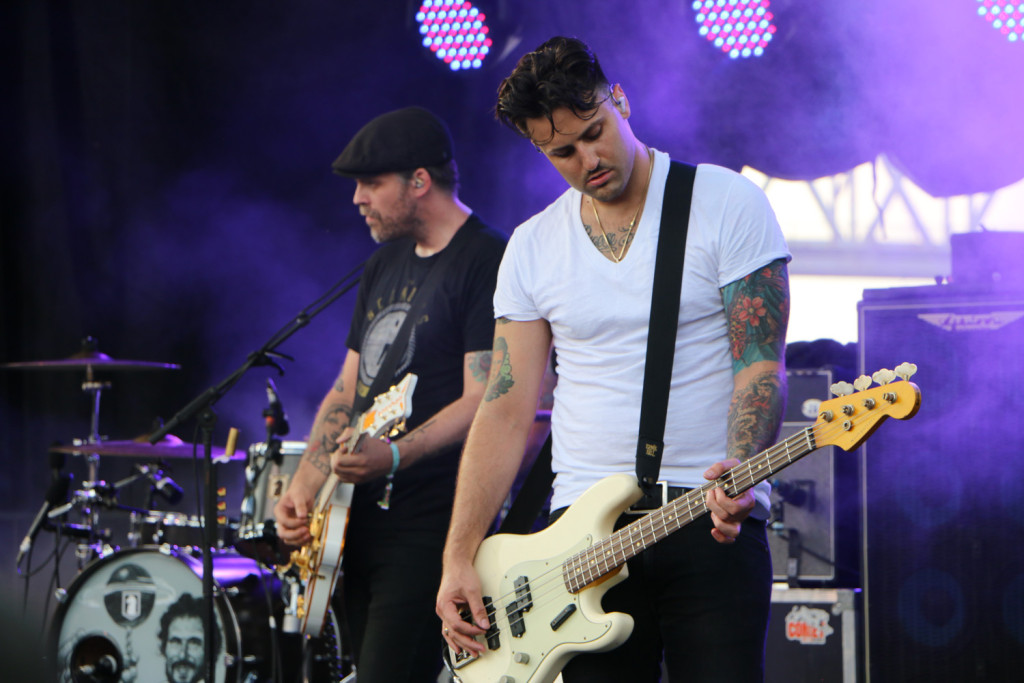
402,222
183,671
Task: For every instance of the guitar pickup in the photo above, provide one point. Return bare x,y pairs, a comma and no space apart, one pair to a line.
492,636
521,605
493,640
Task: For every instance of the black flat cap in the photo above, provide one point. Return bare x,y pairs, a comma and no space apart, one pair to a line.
400,140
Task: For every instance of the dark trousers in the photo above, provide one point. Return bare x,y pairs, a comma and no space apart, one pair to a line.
392,570
701,605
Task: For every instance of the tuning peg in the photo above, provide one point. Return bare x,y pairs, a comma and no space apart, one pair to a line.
841,389
906,370
862,383
884,376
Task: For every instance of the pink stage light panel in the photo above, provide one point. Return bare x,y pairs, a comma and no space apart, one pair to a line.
456,32
1005,17
739,28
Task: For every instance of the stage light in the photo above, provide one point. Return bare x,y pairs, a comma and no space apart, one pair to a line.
456,32
1005,17
739,28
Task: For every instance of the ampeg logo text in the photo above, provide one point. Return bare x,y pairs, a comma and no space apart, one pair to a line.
969,322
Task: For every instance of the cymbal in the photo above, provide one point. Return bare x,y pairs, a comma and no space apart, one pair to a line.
168,448
90,357
97,360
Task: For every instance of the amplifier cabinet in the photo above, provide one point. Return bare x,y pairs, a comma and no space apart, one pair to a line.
814,500
812,636
943,494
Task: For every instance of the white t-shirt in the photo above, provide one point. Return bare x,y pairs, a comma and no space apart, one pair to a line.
599,313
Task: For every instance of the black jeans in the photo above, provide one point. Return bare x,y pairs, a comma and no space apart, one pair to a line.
391,572
701,605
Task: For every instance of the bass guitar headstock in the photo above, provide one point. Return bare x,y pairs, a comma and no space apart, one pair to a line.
858,409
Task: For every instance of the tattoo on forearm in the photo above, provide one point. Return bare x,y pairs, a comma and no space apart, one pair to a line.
316,457
339,384
480,365
420,435
324,439
419,432
755,415
501,379
757,307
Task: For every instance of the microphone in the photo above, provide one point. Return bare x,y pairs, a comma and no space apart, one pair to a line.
273,414
162,483
57,493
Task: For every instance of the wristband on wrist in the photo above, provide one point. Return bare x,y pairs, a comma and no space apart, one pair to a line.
394,458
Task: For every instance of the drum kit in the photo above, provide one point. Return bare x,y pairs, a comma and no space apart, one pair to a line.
125,615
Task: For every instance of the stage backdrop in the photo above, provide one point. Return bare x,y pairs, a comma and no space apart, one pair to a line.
166,185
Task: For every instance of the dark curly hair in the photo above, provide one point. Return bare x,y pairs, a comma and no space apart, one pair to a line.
187,606
563,72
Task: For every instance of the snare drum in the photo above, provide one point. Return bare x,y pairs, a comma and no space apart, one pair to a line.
137,615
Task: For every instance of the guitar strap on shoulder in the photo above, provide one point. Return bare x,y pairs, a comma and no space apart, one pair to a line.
661,335
668,277
386,373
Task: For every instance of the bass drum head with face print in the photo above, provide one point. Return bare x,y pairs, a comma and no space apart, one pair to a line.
137,615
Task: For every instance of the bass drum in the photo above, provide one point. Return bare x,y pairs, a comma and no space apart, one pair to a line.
137,616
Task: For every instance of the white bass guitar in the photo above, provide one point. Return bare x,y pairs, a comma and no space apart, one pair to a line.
543,591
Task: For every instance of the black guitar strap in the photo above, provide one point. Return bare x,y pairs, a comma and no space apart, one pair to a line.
386,374
661,338
661,335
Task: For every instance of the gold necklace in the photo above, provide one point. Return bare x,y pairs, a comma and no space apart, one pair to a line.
636,214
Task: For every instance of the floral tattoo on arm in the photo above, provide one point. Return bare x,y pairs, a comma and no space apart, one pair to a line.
757,307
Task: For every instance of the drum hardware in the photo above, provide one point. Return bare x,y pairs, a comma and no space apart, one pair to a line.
90,359
202,409
177,530
170,447
95,493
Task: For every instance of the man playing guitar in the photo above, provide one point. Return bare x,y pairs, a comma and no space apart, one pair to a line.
406,187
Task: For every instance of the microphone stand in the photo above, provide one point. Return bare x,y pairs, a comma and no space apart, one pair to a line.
202,406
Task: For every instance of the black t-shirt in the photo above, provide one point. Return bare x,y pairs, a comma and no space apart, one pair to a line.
458,319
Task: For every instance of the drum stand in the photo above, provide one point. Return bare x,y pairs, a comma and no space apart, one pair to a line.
88,547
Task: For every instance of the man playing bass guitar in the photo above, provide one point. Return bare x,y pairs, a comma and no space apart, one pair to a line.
579,274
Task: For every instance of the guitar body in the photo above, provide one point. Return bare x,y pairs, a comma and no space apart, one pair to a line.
319,561
324,571
541,650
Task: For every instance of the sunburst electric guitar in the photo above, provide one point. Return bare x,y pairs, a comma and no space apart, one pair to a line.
543,591
319,560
